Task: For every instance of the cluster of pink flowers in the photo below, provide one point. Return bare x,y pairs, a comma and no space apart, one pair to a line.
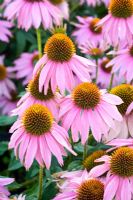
70,98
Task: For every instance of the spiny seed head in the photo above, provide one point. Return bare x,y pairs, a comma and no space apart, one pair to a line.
91,190
125,92
59,48
56,2
33,88
93,27
121,8
86,95
131,51
3,72
37,119
122,162
89,162
103,66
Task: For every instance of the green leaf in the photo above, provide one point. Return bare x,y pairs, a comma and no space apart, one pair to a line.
21,41
6,120
75,165
3,147
14,163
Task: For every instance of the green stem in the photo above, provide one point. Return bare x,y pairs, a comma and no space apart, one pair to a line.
96,70
85,151
39,41
40,184
111,82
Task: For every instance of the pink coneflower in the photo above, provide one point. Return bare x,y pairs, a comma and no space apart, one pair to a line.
7,105
6,85
33,12
36,128
5,32
89,108
117,25
61,64
82,188
125,128
119,178
86,30
4,193
24,66
33,96
122,63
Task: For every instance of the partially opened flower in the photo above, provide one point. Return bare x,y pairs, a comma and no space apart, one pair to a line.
7,105
96,50
82,188
117,25
4,193
6,84
122,63
5,32
89,108
63,6
34,13
37,128
91,2
86,30
24,66
20,197
125,128
33,96
119,178
104,74
60,65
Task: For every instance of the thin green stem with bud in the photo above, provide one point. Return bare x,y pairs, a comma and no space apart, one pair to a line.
111,81
39,41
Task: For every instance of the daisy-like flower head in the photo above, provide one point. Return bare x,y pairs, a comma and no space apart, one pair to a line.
123,129
117,25
6,85
89,108
5,32
60,59
37,128
33,96
7,105
86,30
82,188
122,63
24,11
119,169
4,193
24,66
